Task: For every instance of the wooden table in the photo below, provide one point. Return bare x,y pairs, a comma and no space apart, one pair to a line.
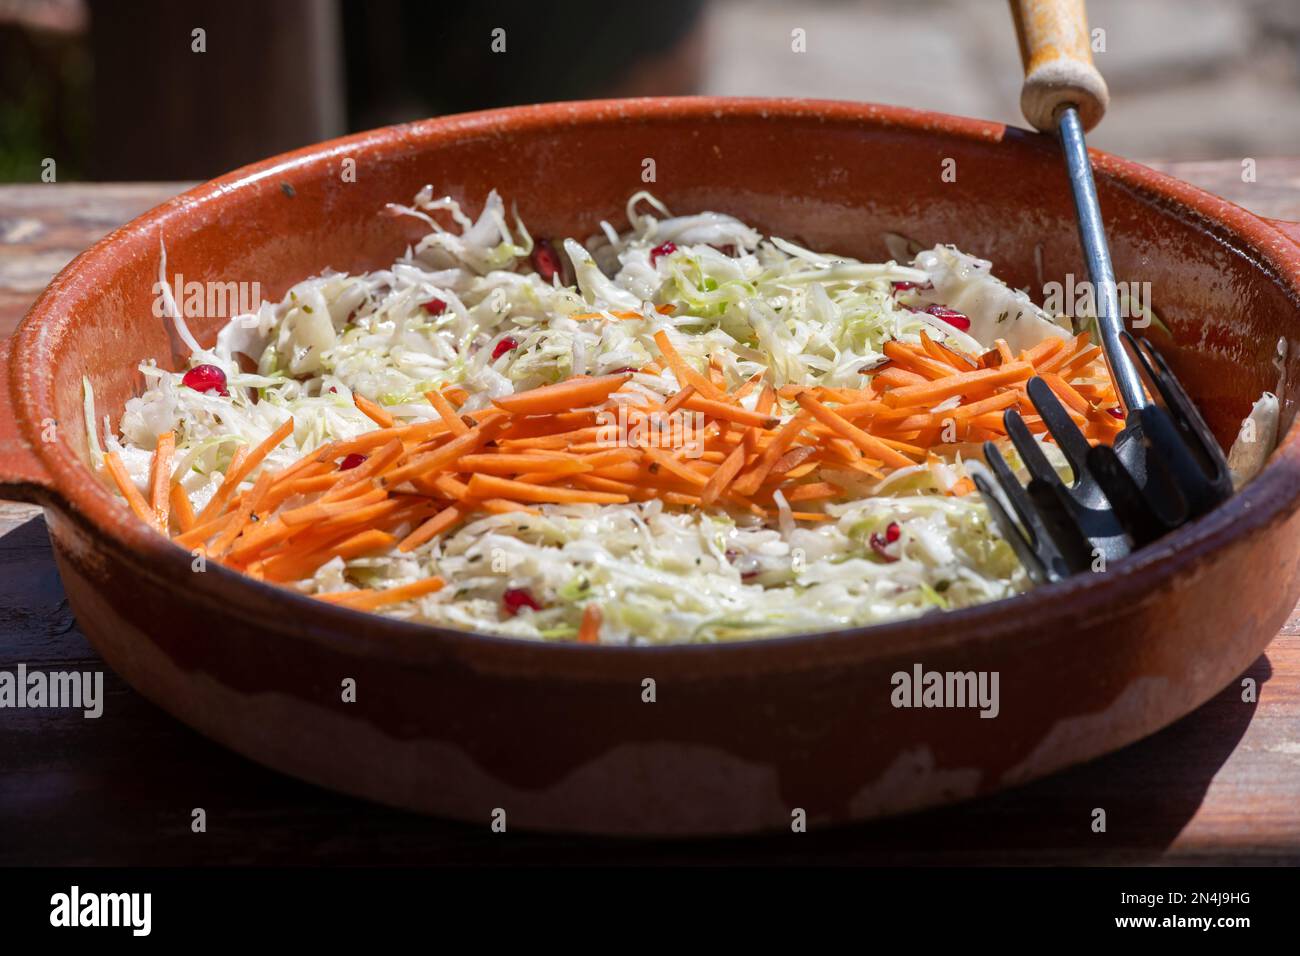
1220,786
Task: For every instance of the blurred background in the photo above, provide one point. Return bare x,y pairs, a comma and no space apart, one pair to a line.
128,90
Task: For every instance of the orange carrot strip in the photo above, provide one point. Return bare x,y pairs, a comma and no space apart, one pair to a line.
247,508
678,399
490,486
448,414
440,458
368,599
598,483
731,413
160,479
723,476
501,506
960,384
182,510
1043,350
1066,393
876,447
505,464
748,483
240,466
217,503
921,364
895,377
295,567
660,459
372,411
576,392
129,491
589,630
444,520
684,374
813,492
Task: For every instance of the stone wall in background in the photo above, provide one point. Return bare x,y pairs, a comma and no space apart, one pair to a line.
1188,78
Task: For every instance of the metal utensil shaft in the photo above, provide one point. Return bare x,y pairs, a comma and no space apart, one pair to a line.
1093,236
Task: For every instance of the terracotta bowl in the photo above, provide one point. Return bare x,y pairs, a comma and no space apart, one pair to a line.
739,735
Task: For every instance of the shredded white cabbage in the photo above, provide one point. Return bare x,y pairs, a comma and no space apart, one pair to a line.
660,573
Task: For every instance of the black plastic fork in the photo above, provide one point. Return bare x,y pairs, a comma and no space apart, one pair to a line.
1164,469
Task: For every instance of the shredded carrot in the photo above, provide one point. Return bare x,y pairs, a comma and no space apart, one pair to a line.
444,520
129,491
490,486
961,383
589,630
873,446
684,374
160,478
448,414
181,509
380,416
366,599
572,393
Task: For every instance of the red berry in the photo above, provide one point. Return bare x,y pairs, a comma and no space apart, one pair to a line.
663,249
206,378
507,344
434,306
951,316
545,260
516,599
351,461
880,544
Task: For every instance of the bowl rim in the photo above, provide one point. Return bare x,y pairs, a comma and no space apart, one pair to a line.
75,491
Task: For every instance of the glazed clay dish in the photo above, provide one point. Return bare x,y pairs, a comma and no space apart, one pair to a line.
682,739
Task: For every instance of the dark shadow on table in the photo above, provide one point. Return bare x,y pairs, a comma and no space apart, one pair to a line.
123,790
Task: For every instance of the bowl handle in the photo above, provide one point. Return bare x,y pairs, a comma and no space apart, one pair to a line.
22,476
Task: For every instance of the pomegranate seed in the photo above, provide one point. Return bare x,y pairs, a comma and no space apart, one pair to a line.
545,260
206,378
351,461
516,599
880,544
904,286
1116,412
507,344
663,249
334,389
951,316
434,306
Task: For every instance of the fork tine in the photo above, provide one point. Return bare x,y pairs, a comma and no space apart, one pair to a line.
1025,553
1193,456
1061,426
1034,538
1023,439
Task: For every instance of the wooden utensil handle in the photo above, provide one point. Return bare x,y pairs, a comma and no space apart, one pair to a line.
1057,54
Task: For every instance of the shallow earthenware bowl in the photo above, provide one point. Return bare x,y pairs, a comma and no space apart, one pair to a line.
739,735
